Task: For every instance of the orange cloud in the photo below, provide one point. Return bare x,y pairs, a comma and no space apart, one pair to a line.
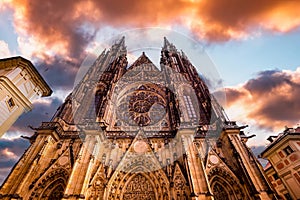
8,153
66,27
271,100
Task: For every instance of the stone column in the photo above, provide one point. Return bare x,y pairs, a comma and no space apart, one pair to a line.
252,173
79,173
196,172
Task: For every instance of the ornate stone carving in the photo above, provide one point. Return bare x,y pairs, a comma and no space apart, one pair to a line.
224,185
52,185
143,106
220,192
180,188
96,190
139,188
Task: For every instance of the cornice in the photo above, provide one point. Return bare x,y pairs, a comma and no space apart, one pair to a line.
278,143
14,62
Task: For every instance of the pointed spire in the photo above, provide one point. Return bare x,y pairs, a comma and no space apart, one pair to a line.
168,46
122,41
119,42
166,42
184,55
119,46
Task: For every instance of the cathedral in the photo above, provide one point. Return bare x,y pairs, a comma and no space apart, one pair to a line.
136,131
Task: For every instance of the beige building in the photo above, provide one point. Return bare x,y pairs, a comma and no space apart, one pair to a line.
283,169
20,84
138,132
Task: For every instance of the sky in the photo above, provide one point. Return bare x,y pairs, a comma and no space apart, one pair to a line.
253,44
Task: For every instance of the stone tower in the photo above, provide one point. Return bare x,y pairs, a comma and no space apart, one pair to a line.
138,132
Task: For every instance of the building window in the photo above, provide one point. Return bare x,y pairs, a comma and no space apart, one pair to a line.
190,108
287,196
297,176
288,150
275,176
10,103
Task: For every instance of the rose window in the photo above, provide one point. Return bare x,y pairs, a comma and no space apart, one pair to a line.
141,107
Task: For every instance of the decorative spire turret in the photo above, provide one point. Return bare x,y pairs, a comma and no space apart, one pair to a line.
119,47
85,100
168,46
183,55
179,62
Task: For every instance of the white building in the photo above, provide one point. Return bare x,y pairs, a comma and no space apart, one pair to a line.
283,169
20,84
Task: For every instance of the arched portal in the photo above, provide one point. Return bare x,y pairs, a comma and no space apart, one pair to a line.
138,183
54,190
52,186
222,190
57,192
220,193
139,187
225,186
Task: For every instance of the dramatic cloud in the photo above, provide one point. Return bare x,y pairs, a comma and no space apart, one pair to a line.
52,28
271,100
226,19
4,4
10,152
55,34
66,27
58,72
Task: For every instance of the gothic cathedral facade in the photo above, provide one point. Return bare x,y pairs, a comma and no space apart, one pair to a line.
138,132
